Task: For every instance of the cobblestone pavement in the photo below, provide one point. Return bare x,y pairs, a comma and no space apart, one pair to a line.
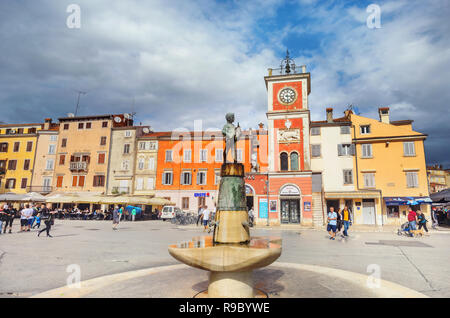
30,265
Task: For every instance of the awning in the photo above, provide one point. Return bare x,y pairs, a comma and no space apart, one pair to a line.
352,195
441,196
404,200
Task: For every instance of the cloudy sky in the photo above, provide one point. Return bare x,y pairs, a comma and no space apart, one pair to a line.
176,61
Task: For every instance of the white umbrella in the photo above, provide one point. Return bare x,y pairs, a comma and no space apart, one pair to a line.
33,196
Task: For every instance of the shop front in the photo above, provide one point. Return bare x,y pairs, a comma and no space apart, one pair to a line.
397,208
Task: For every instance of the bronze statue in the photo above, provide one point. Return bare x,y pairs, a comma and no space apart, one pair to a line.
231,134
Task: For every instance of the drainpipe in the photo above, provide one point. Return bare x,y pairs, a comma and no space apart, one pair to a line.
34,161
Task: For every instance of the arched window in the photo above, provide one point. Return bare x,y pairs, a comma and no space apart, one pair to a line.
294,161
284,161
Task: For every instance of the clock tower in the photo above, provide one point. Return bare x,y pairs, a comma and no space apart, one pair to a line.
288,117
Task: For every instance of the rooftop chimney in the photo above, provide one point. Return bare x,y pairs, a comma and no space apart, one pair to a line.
384,114
47,123
329,115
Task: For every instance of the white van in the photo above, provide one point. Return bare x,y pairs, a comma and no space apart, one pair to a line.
169,212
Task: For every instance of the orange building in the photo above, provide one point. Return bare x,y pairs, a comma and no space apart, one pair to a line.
188,167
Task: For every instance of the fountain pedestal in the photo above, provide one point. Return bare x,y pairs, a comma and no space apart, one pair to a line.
231,254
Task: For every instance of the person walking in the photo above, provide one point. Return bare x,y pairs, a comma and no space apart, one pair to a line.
339,221
250,217
422,220
38,221
206,214
2,219
200,214
347,219
133,214
116,218
412,219
332,222
9,218
434,220
48,221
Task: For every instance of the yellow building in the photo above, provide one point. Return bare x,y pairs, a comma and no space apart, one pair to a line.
389,161
437,178
17,155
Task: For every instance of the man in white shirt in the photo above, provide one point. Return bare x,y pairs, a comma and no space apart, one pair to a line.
206,214
200,213
25,214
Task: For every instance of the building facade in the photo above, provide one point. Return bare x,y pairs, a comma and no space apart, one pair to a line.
45,159
17,156
146,164
84,152
438,178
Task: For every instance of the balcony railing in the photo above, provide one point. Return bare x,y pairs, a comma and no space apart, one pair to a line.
40,189
79,166
117,190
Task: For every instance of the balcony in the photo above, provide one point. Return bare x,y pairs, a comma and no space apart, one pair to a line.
79,166
120,190
40,189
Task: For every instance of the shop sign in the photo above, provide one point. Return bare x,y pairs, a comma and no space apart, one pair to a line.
289,190
201,195
307,206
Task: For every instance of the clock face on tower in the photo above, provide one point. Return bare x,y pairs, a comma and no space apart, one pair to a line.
287,95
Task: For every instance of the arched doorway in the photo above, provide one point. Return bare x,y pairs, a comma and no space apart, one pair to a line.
250,195
290,204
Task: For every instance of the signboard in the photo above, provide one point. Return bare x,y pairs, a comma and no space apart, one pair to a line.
202,195
263,208
289,190
307,206
273,205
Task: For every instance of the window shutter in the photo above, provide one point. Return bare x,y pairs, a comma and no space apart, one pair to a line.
352,149
340,150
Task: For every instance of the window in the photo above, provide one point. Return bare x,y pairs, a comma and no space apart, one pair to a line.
47,182
88,125
284,161
216,177
74,181
31,130
203,155
20,131
103,141
219,155
62,160
409,149
139,184
126,148
152,145
365,129
80,125
81,181
29,146
150,183
393,211
66,126
101,158
151,164
59,181
49,165
4,147
125,165
141,164
26,164
64,143
16,146
201,177
51,149
315,131
412,179
294,161
186,178
105,124
167,178
23,184
239,155
128,133
345,130
185,203
99,181
53,138
187,155
315,151
168,155
369,180
142,145
348,176
366,150
10,184
12,165
345,150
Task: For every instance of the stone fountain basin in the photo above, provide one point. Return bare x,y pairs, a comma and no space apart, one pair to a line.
202,253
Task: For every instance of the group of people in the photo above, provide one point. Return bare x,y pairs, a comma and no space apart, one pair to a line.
204,216
418,218
30,218
338,220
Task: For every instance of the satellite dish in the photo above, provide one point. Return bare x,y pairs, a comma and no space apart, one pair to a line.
117,119
70,115
13,131
146,130
127,116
